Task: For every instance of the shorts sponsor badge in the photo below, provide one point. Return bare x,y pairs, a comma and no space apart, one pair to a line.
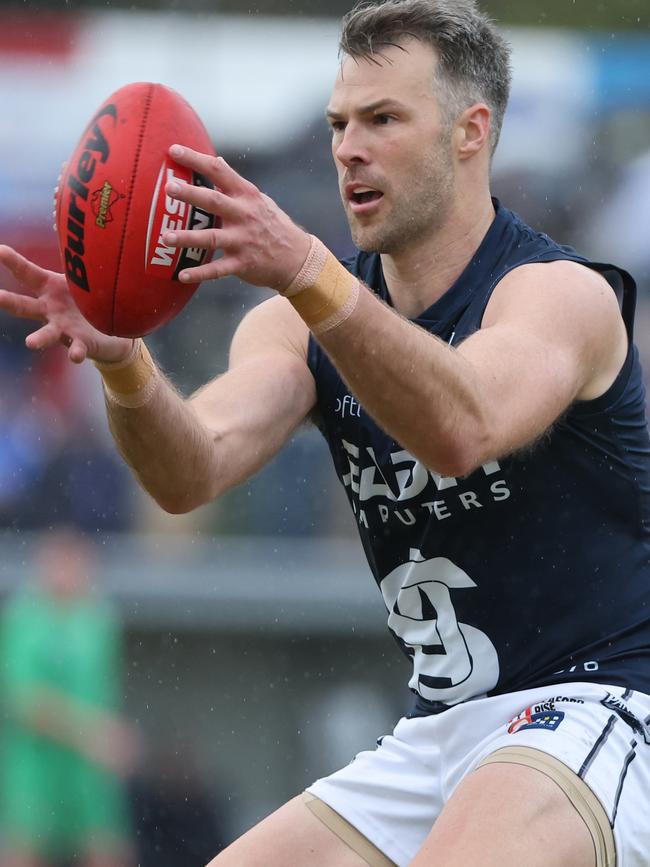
527,719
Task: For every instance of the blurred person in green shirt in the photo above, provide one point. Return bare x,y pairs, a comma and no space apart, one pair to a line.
65,746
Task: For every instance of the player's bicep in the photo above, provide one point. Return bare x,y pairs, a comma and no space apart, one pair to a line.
267,392
553,335
525,386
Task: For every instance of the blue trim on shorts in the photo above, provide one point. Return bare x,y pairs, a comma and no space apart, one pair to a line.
606,732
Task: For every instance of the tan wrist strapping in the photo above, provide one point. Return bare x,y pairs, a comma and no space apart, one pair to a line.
324,293
131,382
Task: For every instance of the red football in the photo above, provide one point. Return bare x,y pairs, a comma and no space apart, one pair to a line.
111,211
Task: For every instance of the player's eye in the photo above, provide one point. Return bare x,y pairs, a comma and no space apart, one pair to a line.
383,119
337,126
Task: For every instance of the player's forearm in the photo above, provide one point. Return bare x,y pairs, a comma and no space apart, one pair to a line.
170,452
421,391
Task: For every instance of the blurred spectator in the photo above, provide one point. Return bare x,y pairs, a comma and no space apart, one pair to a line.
54,437
65,745
176,819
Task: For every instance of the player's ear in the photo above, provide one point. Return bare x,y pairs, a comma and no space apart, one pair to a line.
472,131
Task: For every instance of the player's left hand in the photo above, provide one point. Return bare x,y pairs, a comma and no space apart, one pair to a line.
259,242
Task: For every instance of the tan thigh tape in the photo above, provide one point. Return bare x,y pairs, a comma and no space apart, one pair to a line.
346,832
577,791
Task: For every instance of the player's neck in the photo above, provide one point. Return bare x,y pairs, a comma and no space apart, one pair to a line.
421,273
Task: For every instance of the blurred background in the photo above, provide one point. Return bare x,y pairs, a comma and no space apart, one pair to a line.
249,636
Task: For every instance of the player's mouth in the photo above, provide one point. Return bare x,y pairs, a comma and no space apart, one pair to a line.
363,199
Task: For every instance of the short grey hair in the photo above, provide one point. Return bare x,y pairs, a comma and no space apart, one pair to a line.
473,57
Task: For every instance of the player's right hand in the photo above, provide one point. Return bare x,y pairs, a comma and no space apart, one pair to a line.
44,296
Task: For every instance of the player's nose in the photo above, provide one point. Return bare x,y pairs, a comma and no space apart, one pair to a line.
350,146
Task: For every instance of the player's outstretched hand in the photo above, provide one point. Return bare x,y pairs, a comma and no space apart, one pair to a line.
259,242
43,296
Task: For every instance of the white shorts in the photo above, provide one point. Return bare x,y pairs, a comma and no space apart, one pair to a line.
394,794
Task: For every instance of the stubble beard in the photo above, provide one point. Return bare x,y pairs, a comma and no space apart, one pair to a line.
417,212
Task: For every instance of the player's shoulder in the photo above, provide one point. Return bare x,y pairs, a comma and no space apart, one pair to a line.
569,308
562,286
577,270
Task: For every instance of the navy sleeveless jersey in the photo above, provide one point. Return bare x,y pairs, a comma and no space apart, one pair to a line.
532,570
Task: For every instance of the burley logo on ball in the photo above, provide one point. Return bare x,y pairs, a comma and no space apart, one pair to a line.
96,147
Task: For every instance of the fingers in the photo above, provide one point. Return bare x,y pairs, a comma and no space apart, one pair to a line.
215,168
206,239
50,334
23,306
77,351
212,201
29,275
47,336
226,266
